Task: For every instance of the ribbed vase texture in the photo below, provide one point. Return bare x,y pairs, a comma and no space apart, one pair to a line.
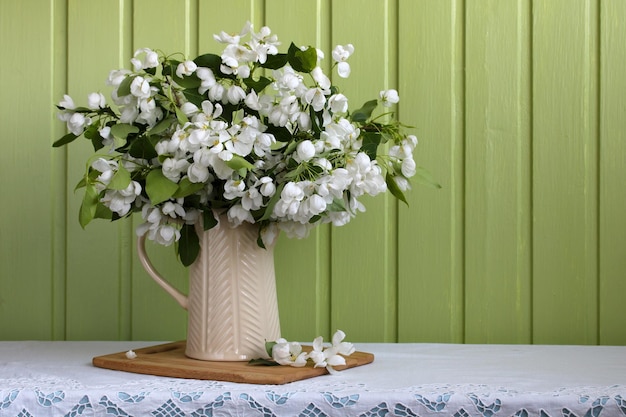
232,304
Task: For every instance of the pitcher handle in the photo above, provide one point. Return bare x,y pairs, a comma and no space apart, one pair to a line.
147,265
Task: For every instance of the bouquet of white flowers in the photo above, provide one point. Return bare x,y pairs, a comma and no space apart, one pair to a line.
260,135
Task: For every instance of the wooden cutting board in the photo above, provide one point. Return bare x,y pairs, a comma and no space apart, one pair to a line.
169,360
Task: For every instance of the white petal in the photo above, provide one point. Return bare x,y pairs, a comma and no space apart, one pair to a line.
343,69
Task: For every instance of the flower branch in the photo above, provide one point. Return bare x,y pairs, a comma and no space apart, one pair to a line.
186,138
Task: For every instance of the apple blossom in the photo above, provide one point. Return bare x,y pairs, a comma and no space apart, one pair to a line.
266,139
340,54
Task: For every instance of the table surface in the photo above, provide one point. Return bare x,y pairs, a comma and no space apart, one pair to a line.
57,378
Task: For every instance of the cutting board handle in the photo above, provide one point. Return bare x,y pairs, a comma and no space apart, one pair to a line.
147,265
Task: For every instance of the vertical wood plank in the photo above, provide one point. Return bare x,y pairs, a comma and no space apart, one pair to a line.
155,315
302,265
362,273
565,172
25,168
94,254
59,181
612,242
497,204
430,229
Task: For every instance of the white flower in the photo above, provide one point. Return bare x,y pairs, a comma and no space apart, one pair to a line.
172,209
264,44
207,79
389,97
224,37
234,189
67,103
408,167
119,201
96,101
105,134
366,176
164,234
235,94
269,234
116,77
216,92
77,123
316,98
173,168
340,55
186,68
140,87
268,188
235,146
144,58
338,103
288,353
294,229
320,78
305,150
331,356
198,173
402,183
237,215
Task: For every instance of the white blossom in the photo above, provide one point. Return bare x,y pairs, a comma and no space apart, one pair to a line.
289,353
340,54
96,101
144,58
240,145
389,97
77,123
186,68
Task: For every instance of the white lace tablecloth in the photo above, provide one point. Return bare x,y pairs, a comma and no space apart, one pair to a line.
57,379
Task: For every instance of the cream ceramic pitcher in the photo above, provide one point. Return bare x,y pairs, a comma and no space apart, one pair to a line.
232,304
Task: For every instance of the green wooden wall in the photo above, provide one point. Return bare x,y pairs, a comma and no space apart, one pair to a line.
520,107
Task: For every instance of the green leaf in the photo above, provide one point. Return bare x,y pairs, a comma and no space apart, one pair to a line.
182,117
424,177
191,81
258,85
337,205
211,61
122,130
158,187
120,180
275,61
186,188
208,220
124,88
194,97
239,163
143,147
259,240
269,346
88,207
70,137
162,126
92,131
282,134
103,212
188,245
370,143
365,112
302,61
262,362
393,188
